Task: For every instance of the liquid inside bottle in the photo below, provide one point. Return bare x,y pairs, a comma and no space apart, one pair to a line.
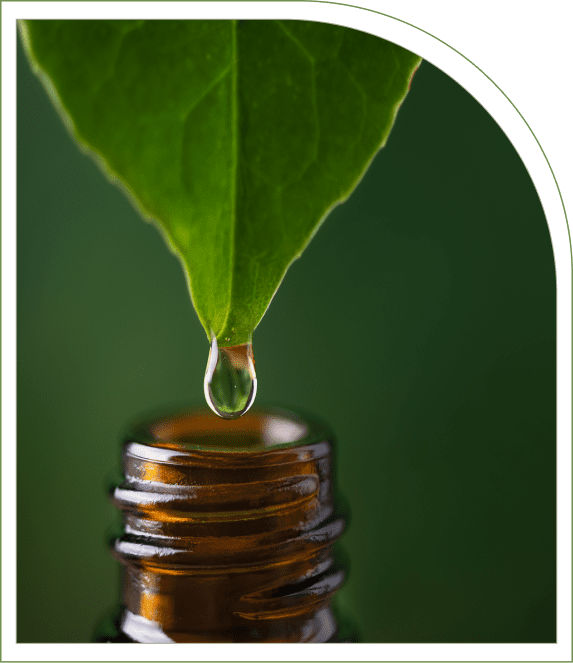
230,379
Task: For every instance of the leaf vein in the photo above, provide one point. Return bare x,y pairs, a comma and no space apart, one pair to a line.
210,87
289,34
314,99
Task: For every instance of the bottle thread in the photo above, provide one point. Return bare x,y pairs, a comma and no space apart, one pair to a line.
228,530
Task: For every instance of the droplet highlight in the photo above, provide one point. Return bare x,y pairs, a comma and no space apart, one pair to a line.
230,379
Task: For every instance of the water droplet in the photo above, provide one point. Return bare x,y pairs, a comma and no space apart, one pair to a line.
230,379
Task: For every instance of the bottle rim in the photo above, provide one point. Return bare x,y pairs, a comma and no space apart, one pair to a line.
192,430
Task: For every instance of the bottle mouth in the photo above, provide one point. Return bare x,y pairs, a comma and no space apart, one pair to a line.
261,430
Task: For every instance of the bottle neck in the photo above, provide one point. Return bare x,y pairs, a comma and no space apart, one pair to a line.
228,530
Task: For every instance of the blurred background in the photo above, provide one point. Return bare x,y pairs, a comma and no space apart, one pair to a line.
420,323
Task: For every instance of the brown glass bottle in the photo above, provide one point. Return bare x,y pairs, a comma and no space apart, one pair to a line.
228,530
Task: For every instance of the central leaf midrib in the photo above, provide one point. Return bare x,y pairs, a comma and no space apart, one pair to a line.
235,165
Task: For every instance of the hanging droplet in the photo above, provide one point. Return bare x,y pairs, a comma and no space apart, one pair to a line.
230,379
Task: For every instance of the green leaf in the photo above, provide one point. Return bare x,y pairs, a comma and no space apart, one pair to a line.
236,137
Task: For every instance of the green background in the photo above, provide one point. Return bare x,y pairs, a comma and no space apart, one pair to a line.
420,323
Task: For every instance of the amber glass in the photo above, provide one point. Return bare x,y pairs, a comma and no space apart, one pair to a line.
228,530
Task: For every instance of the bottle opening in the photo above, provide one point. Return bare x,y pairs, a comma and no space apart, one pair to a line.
256,431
